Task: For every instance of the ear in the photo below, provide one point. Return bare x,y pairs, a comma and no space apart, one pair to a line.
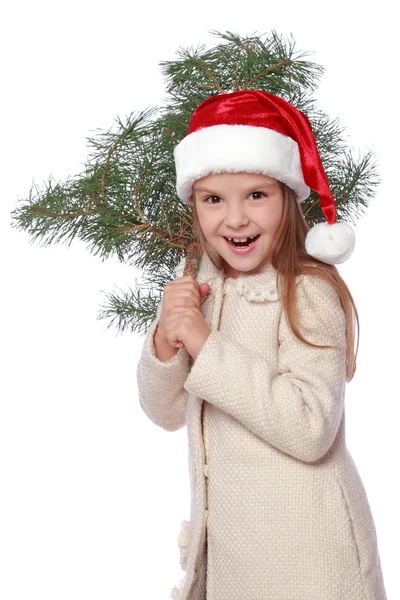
190,200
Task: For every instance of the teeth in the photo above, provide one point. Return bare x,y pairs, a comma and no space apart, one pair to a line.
241,239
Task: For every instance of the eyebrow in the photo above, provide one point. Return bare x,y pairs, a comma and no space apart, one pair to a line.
266,184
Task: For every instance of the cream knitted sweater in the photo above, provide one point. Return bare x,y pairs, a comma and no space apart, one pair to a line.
278,509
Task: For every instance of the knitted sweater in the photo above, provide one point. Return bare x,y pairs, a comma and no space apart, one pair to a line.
278,510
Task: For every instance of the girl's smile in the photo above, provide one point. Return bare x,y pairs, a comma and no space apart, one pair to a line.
239,215
242,246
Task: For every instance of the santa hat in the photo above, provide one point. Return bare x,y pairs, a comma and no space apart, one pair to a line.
256,132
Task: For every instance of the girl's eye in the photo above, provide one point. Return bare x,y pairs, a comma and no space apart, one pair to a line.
256,196
259,194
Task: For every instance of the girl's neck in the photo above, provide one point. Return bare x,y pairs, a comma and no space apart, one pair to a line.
231,276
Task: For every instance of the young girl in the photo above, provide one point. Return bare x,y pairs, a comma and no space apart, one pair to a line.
253,355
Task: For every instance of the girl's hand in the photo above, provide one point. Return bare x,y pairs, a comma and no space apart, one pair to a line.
181,321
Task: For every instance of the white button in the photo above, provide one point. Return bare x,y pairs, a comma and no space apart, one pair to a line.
205,469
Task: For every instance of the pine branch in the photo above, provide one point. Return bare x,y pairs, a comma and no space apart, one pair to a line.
129,311
268,71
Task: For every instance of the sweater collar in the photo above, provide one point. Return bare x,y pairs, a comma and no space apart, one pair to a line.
257,285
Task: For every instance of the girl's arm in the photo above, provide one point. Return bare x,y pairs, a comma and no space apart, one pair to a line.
296,407
160,383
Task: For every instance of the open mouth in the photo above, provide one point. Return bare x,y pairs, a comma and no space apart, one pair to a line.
242,243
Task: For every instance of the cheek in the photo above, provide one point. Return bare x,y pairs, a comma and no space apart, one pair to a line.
272,216
203,222
209,222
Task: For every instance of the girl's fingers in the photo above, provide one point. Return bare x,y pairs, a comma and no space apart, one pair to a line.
184,283
182,297
179,296
175,343
172,325
185,278
181,309
173,320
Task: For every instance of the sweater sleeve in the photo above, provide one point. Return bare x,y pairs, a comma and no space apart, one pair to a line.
296,405
160,384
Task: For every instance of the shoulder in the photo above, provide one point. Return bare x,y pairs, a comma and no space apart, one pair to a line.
317,290
319,306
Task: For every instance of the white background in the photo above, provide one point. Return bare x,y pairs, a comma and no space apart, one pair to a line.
92,493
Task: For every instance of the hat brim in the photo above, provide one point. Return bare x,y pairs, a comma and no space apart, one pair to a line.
236,149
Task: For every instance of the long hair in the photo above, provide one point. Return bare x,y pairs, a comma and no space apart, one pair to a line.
290,259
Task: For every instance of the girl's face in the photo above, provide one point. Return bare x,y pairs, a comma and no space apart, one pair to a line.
239,205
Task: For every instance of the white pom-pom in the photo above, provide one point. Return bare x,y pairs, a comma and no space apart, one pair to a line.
333,244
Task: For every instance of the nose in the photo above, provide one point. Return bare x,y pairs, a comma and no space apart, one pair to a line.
235,216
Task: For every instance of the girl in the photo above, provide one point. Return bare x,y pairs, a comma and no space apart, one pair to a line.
253,355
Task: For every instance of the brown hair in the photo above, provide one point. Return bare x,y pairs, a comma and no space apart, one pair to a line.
290,259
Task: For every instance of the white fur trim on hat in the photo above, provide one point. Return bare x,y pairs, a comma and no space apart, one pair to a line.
235,149
332,244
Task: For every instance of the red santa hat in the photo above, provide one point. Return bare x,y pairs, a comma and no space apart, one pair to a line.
256,132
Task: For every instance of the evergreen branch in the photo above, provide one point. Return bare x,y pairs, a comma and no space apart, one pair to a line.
282,63
138,209
174,241
166,218
183,217
62,215
130,310
167,236
242,45
235,80
105,168
140,228
309,209
126,130
209,75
